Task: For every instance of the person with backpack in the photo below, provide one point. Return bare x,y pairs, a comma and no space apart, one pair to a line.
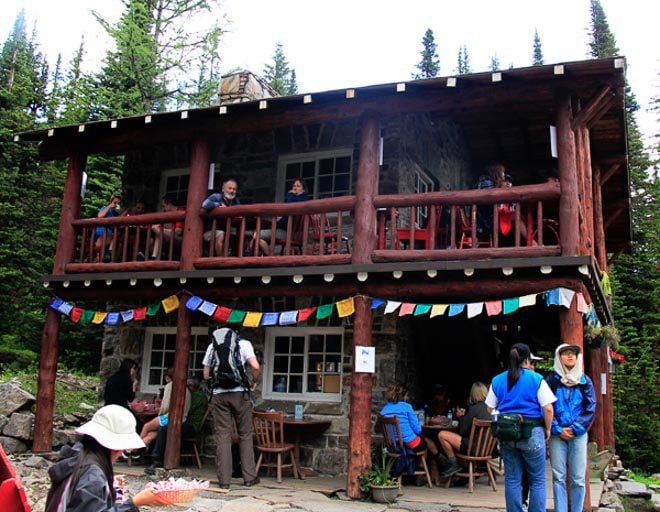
224,369
82,478
574,412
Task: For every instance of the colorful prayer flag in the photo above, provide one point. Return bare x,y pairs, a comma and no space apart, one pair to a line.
152,309
140,313
236,316
87,317
194,302
493,307
99,317
112,319
252,319
221,314
170,303
391,306
474,309
407,308
208,308
566,297
422,309
510,305
270,319
456,309
288,317
375,303
346,307
305,313
527,300
127,315
76,313
438,309
324,311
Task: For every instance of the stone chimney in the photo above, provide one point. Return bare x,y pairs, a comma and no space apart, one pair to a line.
243,86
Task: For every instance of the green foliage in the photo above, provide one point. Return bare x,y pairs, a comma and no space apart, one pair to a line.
494,63
429,65
537,50
463,66
279,75
644,478
601,39
70,392
380,474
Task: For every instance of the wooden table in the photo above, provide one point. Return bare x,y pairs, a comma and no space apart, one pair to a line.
434,428
303,427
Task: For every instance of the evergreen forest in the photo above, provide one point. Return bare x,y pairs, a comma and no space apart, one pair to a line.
156,64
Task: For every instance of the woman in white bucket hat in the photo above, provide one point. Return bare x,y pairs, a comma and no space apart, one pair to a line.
82,478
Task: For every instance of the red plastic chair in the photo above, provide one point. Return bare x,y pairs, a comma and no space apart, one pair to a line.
12,494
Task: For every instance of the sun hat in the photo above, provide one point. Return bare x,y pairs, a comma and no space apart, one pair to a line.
565,346
113,426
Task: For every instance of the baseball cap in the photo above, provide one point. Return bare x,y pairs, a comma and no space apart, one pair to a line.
534,357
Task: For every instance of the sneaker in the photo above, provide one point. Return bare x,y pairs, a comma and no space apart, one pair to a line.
139,256
452,470
250,483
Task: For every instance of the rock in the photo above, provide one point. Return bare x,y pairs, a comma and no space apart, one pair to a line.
633,490
87,407
70,419
62,437
609,498
3,422
655,500
13,398
11,445
609,485
36,462
19,425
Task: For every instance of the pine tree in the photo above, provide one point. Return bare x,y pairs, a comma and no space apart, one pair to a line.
537,50
637,290
463,65
429,65
601,40
494,63
279,75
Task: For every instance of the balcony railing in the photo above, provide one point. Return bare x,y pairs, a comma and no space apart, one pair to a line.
460,225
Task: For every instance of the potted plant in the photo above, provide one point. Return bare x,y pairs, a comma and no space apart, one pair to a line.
379,481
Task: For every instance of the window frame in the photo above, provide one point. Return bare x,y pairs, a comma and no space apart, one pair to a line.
428,185
147,350
269,363
315,156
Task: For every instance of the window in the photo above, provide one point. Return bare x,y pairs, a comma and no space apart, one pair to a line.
303,363
423,183
175,182
158,355
326,174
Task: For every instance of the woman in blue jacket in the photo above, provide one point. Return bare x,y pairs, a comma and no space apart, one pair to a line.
574,411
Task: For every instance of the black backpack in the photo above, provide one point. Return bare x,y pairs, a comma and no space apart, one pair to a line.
227,371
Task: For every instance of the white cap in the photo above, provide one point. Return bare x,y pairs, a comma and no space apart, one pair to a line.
113,426
535,358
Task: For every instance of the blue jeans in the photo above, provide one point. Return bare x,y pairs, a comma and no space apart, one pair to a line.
531,453
575,453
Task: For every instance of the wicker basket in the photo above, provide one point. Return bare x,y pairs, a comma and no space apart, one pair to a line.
177,496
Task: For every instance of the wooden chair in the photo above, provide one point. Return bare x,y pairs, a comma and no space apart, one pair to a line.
466,224
324,236
479,451
269,432
299,226
192,446
395,446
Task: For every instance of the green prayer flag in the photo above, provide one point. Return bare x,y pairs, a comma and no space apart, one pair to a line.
152,309
324,311
86,317
236,316
510,305
422,309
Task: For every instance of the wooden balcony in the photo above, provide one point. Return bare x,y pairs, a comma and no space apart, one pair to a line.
320,232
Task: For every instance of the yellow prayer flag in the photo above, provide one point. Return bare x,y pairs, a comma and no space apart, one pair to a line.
345,307
99,317
252,319
438,309
170,303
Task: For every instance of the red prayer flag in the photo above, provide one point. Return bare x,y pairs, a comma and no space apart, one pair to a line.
140,313
76,313
221,314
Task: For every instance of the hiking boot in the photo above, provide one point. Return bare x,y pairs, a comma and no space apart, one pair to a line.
251,483
451,470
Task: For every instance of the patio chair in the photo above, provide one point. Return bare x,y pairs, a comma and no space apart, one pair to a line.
298,228
269,432
481,444
395,447
191,446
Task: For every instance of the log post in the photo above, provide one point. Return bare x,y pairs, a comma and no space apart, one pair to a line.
599,228
64,251
364,234
43,419
608,403
568,201
191,244
594,368
588,190
359,429
179,382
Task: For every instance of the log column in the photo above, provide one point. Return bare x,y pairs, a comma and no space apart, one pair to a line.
66,245
191,248
364,237
594,367
568,202
359,429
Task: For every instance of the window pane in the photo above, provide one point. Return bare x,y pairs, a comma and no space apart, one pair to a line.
333,343
325,185
315,363
296,384
316,343
154,377
282,345
309,170
281,364
326,166
343,164
292,172
341,182
279,384
297,364
314,383
170,343
298,345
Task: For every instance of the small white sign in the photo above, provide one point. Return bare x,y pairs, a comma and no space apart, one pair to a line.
603,384
365,359
298,412
553,141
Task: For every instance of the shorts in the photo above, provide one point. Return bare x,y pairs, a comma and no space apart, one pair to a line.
207,234
163,420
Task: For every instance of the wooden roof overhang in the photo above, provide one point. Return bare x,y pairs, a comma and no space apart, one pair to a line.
505,115
460,281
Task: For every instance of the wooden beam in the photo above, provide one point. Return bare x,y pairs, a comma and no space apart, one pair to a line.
594,104
481,253
359,427
568,202
364,232
609,173
599,229
616,254
604,108
619,211
43,418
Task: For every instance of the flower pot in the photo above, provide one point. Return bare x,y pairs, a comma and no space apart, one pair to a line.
384,493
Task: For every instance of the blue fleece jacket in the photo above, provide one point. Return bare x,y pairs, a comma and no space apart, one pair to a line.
575,406
410,427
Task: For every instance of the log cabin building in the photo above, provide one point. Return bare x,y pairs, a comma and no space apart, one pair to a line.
393,217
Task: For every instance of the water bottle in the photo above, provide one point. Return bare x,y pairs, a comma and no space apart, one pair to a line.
450,415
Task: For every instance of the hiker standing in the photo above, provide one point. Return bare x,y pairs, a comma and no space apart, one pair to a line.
224,369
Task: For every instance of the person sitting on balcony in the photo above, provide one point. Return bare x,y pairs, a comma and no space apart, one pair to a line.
226,197
109,210
298,193
138,209
492,178
506,211
170,231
